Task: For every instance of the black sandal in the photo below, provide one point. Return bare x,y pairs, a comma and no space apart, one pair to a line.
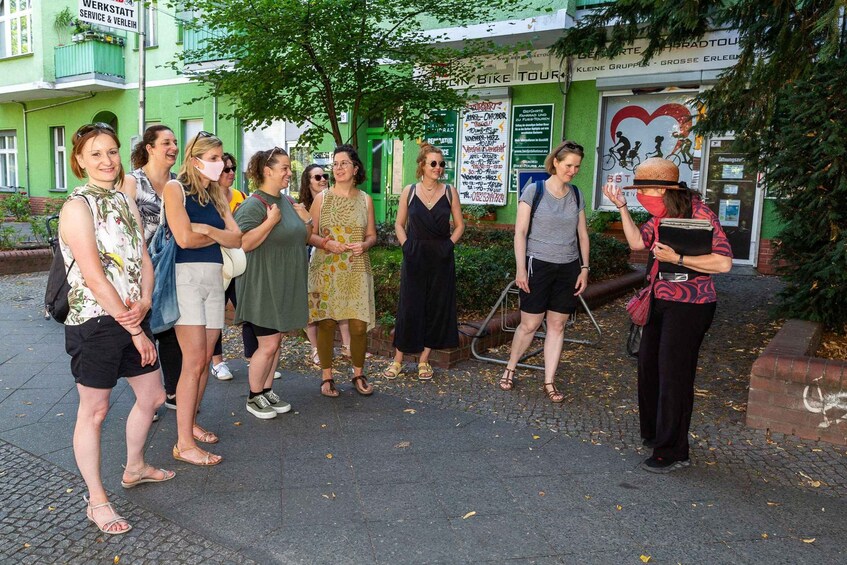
361,389
333,392
553,394
507,381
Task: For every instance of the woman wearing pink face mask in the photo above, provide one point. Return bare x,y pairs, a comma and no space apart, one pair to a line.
682,309
197,212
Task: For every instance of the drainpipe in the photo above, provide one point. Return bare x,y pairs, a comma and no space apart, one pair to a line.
26,112
215,115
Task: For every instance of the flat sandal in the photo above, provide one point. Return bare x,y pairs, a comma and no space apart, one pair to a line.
333,392
507,381
553,394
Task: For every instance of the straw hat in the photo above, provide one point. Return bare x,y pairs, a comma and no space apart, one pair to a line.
235,263
656,172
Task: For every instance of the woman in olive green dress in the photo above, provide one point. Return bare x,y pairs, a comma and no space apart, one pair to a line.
271,294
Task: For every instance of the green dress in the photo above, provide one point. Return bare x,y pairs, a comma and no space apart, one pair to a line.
272,291
341,286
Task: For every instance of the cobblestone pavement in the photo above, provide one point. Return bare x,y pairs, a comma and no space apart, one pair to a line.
41,522
600,384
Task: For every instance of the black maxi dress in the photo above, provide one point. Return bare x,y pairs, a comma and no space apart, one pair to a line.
426,310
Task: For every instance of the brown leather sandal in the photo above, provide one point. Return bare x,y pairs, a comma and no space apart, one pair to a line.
507,381
332,392
360,383
553,394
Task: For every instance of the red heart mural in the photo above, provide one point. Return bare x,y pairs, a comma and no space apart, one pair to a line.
679,112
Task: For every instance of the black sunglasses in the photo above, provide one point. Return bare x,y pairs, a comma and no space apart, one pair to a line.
88,128
228,169
573,147
201,133
441,164
319,177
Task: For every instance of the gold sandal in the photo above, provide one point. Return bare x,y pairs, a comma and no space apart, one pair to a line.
393,371
424,371
141,478
204,436
104,527
207,459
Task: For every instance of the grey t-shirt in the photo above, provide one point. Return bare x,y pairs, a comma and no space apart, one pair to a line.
553,234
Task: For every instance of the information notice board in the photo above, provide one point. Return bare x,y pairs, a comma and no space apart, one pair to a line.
441,131
532,138
483,169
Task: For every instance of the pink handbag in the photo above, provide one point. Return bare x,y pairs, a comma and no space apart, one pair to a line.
639,305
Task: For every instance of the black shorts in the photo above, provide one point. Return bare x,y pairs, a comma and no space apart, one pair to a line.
551,287
102,352
260,331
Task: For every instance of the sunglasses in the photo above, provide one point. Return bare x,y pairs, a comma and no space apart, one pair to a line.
88,128
441,164
320,177
572,147
228,169
271,154
200,134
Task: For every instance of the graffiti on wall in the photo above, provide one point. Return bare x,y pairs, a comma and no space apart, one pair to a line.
832,406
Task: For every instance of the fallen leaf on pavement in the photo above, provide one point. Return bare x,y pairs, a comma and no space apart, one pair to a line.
236,423
645,558
69,490
618,507
536,437
765,536
410,411
116,559
774,503
809,540
329,455
403,445
469,514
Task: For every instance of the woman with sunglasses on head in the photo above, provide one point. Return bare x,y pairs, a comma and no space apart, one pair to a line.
107,331
340,276
681,311
198,214
551,255
272,290
235,198
426,310
153,157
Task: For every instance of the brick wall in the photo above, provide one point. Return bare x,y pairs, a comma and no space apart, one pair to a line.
25,261
766,264
793,392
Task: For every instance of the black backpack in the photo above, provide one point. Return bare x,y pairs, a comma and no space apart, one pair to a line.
56,296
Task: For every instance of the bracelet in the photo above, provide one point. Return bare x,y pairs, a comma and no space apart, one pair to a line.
619,207
309,223
680,260
139,333
586,267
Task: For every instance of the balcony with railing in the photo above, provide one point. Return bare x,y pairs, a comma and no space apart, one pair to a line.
94,62
195,44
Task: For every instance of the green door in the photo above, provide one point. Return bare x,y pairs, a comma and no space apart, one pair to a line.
379,163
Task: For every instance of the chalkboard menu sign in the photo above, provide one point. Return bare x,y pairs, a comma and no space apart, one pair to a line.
532,137
441,132
483,171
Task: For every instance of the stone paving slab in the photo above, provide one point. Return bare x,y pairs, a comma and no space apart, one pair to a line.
442,478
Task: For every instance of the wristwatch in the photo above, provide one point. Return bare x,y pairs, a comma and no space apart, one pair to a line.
586,267
680,260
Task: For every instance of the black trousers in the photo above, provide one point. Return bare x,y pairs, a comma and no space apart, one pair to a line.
667,362
170,358
248,336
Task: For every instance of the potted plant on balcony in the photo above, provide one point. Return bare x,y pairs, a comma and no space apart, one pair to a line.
62,23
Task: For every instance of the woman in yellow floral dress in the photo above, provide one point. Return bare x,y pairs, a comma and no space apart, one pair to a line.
340,278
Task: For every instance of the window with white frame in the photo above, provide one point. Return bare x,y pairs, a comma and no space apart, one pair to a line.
15,27
8,161
57,136
150,35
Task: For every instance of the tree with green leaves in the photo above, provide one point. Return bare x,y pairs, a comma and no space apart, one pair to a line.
786,101
309,61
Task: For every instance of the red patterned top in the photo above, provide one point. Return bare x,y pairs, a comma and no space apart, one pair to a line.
699,290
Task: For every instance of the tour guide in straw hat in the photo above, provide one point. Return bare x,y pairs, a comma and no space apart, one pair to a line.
682,310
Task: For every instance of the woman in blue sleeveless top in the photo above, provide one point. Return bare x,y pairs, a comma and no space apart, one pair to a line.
197,213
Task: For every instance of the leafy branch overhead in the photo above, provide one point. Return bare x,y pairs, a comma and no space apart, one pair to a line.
307,61
784,99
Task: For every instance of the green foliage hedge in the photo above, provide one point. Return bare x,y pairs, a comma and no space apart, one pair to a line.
485,264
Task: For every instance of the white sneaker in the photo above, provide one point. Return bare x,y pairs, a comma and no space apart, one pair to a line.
222,372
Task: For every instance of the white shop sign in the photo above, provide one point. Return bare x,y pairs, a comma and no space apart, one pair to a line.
120,14
483,146
715,51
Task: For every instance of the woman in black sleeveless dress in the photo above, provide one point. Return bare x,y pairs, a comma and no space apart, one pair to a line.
426,310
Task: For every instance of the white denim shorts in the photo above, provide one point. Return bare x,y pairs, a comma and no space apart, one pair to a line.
200,295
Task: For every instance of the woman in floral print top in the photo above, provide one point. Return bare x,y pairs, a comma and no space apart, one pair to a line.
107,332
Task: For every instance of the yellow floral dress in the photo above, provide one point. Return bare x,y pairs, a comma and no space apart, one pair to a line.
341,286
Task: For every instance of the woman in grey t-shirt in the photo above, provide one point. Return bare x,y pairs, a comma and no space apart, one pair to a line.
552,262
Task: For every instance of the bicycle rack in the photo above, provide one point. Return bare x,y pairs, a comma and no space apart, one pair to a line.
503,306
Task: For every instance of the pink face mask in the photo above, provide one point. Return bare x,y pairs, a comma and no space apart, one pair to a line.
211,169
655,205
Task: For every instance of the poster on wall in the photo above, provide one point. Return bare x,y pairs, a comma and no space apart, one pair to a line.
441,132
483,170
532,138
635,128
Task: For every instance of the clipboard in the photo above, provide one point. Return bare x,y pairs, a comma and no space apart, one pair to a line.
689,237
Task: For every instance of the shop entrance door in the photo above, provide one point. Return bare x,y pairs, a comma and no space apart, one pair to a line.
378,164
734,194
